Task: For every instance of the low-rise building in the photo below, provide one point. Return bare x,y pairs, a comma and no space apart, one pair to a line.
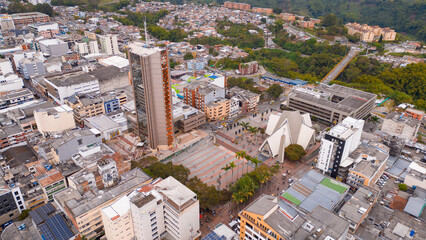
401,126
217,110
46,30
248,68
30,67
289,17
369,164
10,82
201,92
235,5
267,11
29,17
63,147
50,178
106,126
247,100
332,104
11,201
269,217
414,113
187,118
416,175
53,47
358,207
54,120
91,105
64,85
14,98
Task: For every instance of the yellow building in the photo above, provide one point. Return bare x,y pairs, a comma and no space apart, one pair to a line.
269,217
218,110
370,163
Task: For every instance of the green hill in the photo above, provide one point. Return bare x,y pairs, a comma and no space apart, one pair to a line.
404,16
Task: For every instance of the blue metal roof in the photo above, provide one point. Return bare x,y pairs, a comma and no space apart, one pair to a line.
286,80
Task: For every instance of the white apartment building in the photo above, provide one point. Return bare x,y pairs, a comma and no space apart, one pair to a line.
85,48
338,143
165,207
109,44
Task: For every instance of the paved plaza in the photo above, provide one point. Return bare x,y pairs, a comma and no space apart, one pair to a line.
206,160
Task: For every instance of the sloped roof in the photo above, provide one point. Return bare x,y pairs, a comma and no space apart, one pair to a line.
415,206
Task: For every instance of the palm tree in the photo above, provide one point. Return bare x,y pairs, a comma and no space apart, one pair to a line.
252,130
245,125
226,168
255,161
232,166
242,155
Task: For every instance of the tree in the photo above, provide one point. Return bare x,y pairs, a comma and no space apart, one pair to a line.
402,187
263,20
275,90
253,131
188,56
242,155
232,166
330,20
98,31
381,38
24,214
294,152
245,126
277,10
255,161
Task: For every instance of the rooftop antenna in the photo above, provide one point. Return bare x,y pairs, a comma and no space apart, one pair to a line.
146,33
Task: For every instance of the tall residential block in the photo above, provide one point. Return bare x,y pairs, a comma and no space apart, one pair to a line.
150,77
338,143
165,209
109,44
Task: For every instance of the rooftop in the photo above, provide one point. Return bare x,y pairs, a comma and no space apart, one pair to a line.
102,123
117,209
139,49
315,189
368,158
354,209
335,96
175,191
80,204
70,78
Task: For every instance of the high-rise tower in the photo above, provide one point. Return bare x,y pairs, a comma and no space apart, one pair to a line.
149,74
